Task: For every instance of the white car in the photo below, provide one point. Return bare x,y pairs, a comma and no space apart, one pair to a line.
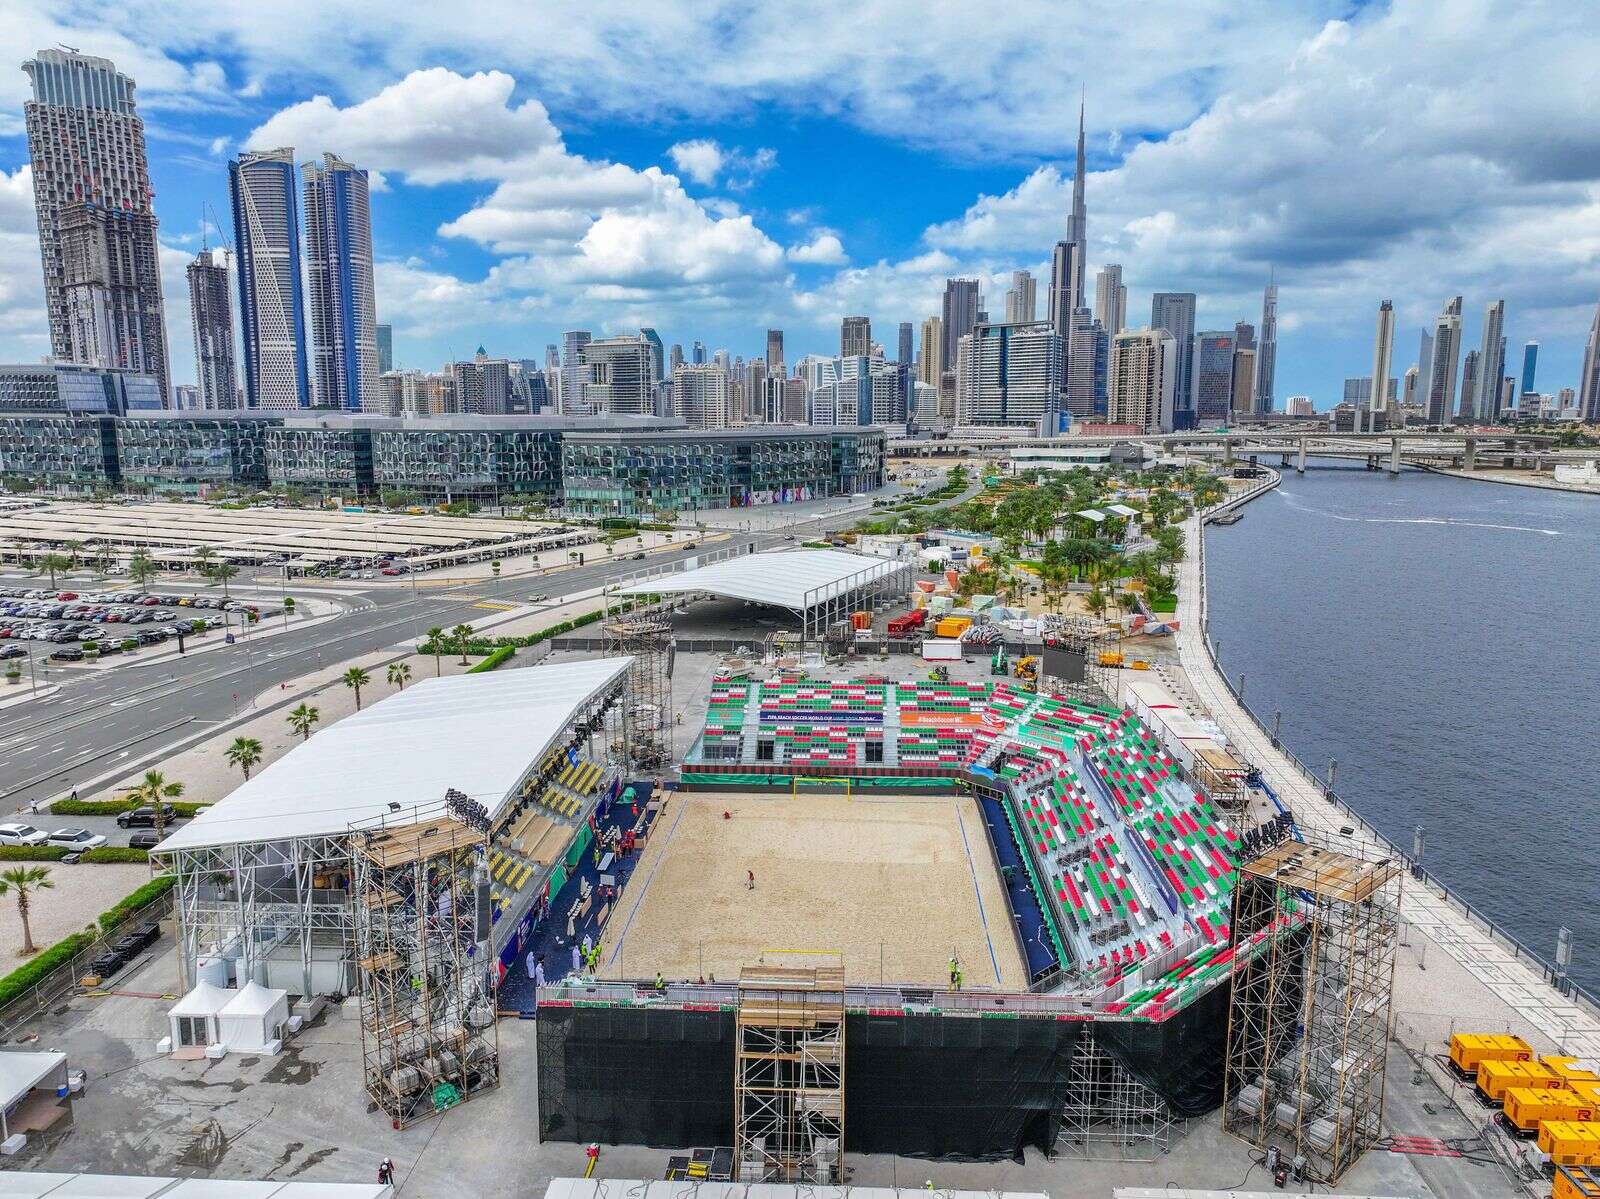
76,839
22,834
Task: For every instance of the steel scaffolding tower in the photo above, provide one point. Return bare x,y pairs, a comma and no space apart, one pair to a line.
1109,1115
428,1032
644,633
1308,1019
789,1079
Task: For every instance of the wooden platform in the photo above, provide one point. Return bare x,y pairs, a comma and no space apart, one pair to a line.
396,846
1323,872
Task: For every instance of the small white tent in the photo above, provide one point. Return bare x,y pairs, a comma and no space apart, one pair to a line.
194,1017
254,1019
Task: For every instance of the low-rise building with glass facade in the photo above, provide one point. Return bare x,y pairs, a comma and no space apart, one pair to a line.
59,449
631,474
326,455
193,451
76,387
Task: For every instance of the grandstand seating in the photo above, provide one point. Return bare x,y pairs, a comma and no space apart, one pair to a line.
1132,859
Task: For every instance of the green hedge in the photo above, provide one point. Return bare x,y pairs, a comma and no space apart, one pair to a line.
31,973
114,807
31,853
489,645
493,660
116,853
140,899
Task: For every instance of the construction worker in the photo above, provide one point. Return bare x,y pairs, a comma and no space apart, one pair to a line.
661,983
955,973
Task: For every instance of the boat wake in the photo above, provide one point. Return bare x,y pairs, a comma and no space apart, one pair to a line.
1415,520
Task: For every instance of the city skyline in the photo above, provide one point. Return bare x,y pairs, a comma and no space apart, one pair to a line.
706,223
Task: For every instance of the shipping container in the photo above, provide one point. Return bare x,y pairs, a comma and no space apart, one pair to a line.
1469,1050
941,651
1528,1107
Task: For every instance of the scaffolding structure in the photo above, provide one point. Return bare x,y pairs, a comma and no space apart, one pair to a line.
644,633
1109,1115
429,1038
789,1075
1308,1018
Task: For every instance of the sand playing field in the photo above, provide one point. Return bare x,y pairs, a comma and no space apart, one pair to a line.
897,881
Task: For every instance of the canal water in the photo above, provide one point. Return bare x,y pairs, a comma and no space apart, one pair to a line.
1440,638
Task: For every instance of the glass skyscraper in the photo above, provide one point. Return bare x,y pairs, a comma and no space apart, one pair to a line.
266,223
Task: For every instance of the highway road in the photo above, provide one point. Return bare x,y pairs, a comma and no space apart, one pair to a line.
120,718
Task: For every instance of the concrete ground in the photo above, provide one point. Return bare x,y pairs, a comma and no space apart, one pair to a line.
304,1115
889,887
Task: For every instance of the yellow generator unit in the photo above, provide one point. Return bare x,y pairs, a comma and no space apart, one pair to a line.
1496,1078
1469,1050
1575,1182
1570,1143
1528,1107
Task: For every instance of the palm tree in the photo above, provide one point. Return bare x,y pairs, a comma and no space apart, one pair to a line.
399,672
155,790
302,718
23,881
436,639
50,564
462,636
141,569
221,573
203,555
244,753
355,678
1096,601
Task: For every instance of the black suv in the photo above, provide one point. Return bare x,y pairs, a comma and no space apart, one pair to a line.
145,817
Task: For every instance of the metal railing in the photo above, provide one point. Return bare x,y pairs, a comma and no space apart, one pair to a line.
45,993
1564,985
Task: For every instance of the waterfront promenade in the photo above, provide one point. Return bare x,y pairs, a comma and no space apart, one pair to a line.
1452,972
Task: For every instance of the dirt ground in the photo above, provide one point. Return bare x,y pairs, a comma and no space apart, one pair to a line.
893,884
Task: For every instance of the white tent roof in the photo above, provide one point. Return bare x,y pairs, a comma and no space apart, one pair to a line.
782,578
207,999
1093,514
21,1072
254,1000
478,733
1122,510
38,1185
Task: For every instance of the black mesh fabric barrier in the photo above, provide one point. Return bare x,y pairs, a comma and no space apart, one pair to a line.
1182,1058
636,1076
956,1088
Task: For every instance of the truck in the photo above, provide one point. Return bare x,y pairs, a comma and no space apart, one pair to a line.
902,625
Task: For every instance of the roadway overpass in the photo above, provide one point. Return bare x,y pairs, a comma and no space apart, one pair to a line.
1465,450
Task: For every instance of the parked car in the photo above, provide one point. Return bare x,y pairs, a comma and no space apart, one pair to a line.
76,839
67,653
143,839
22,834
12,651
145,817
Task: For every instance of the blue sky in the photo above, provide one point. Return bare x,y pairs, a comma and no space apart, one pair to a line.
714,168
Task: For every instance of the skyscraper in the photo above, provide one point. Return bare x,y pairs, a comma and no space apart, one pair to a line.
1211,376
1444,355
904,353
339,273
1530,363
1066,281
775,352
1141,379
385,334
1078,221
97,223
855,336
1174,312
700,397
1382,354
1267,347
1408,396
266,226
1244,380
1088,351
658,353
1008,374
960,314
1491,363
1110,299
1244,335
1589,379
483,385
699,353
212,322
1470,370
621,374
1021,298
575,372
928,351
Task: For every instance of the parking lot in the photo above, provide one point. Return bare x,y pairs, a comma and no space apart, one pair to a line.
95,623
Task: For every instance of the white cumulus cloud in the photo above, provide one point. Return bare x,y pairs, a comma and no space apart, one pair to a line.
825,249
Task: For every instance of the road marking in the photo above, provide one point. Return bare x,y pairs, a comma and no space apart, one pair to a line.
495,607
